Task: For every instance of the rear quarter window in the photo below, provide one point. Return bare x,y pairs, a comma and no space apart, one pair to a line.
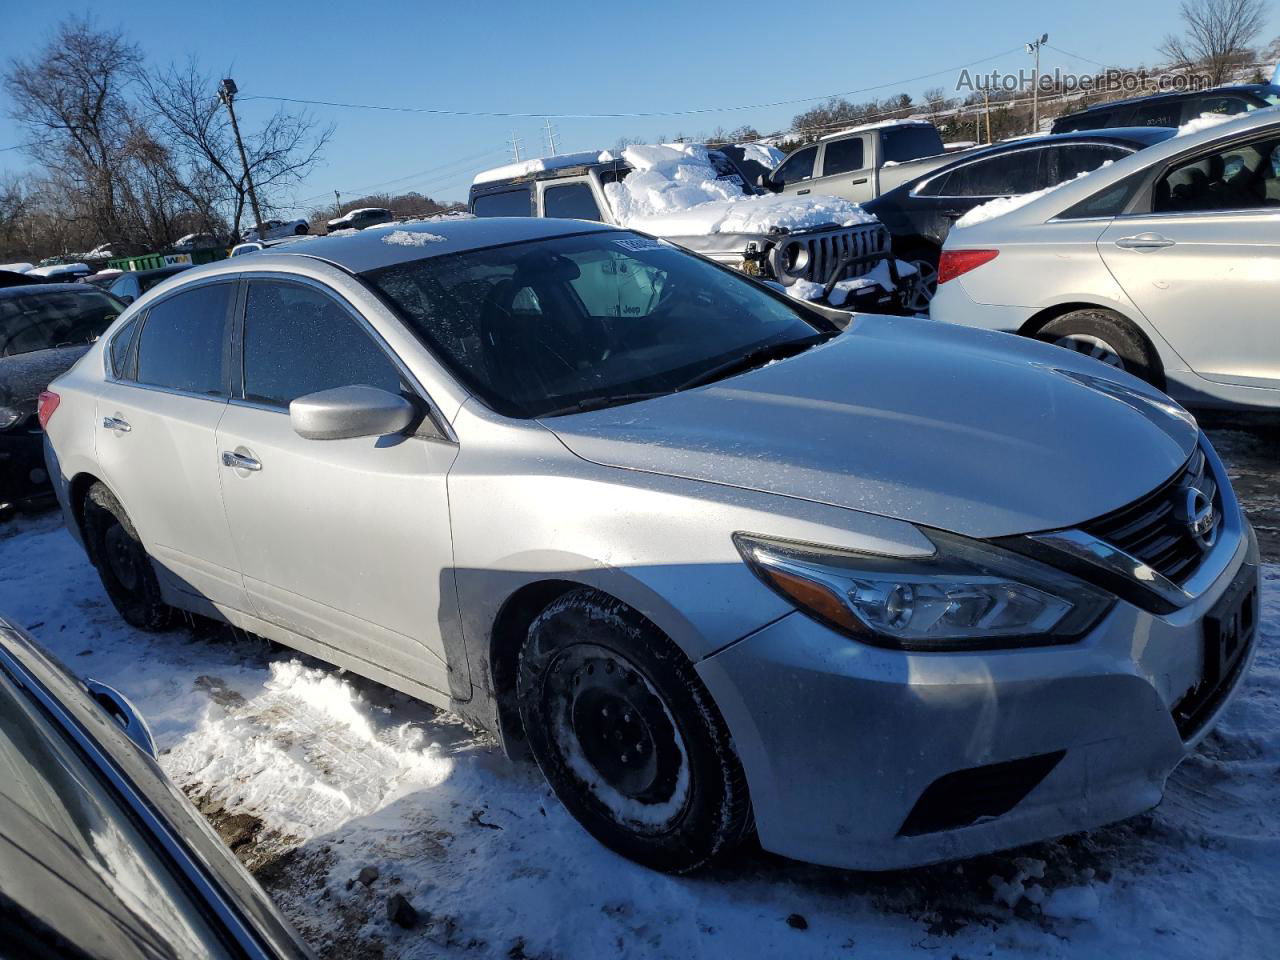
508,203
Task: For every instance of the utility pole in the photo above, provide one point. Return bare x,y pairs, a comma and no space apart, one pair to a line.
227,94
515,146
337,204
986,107
1034,47
550,132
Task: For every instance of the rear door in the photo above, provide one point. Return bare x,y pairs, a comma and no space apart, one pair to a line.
345,542
1200,259
157,416
847,169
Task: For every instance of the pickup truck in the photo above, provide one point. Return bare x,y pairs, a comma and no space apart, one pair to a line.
821,249
862,162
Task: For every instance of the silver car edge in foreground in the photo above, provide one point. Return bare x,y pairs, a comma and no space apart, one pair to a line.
100,855
887,594
1165,263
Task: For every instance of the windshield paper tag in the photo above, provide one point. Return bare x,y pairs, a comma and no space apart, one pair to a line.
636,244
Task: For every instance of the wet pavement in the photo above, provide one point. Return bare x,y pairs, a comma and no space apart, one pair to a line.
1250,447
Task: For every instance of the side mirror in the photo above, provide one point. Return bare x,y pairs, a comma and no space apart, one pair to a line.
346,412
766,182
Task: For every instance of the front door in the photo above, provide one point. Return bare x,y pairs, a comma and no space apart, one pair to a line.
345,542
1202,261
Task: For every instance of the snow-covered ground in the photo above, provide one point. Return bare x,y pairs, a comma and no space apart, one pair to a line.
314,775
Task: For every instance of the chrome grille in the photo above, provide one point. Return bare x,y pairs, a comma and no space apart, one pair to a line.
1158,529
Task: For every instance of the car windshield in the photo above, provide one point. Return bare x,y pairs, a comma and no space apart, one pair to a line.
553,325
40,319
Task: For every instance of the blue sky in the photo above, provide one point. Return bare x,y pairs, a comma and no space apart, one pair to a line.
614,57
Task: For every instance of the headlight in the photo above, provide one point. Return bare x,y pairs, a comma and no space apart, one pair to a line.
8,417
968,595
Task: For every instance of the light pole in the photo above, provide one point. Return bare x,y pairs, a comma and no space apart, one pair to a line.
1034,47
227,94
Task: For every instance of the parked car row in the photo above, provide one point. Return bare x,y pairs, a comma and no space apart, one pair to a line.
717,560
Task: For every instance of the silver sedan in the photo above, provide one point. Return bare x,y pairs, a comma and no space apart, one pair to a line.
882,590
1165,264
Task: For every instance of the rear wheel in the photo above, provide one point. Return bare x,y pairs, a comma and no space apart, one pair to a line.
628,737
122,561
925,280
1107,337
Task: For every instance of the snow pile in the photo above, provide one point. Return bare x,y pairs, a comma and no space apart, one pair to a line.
877,276
1002,205
1203,122
410,238
762,153
675,191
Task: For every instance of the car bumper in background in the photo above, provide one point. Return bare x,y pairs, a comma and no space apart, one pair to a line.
23,477
867,758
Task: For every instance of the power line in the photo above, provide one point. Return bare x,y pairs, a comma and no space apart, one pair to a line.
546,114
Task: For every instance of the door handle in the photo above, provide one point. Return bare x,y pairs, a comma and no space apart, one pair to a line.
860,181
115,423
801,193
239,461
1144,241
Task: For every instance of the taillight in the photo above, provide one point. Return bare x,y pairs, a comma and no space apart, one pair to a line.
45,406
953,263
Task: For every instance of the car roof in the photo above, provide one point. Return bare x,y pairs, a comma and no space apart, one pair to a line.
156,271
1172,95
392,243
28,289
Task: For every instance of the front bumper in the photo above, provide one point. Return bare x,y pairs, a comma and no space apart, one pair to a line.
841,741
23,478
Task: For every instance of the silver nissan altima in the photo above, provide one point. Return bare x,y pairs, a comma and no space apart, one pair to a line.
880,590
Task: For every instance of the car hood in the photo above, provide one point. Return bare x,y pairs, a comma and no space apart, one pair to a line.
982,434
23,376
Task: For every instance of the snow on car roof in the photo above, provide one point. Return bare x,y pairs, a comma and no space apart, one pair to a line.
526,167
675,191
876,126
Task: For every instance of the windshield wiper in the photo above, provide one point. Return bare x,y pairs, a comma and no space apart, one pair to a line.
599,403
755,358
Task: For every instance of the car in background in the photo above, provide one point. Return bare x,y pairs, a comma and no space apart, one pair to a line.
103,278
725,566
274,229
44,329
12,278
132,284
1171,109
920,212
254,246
1163,265
360,218
196,241
61,272
100,855
824,248
862,162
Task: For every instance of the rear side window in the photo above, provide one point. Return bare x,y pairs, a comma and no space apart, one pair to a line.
1167,113
298,340
797,167
570,201
122,365
1067,162
1226,105
181,344
509,203
843,156
910,143
1093,120
1000,176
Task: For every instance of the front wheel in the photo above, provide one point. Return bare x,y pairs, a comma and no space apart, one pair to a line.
628,737
1106,337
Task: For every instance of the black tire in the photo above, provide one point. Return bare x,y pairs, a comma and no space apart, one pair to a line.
300,230
657,781
924,257
1108,337
122,562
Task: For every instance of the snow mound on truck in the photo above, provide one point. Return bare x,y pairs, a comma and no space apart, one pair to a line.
674,190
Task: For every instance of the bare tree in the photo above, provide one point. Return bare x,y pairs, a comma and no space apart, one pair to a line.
182,102
1218,33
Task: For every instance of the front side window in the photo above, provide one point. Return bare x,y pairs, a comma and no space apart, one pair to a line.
538,327
44,320
508,203
797,167
1239,177
843,156
181,344
298,340
570,201
999,176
